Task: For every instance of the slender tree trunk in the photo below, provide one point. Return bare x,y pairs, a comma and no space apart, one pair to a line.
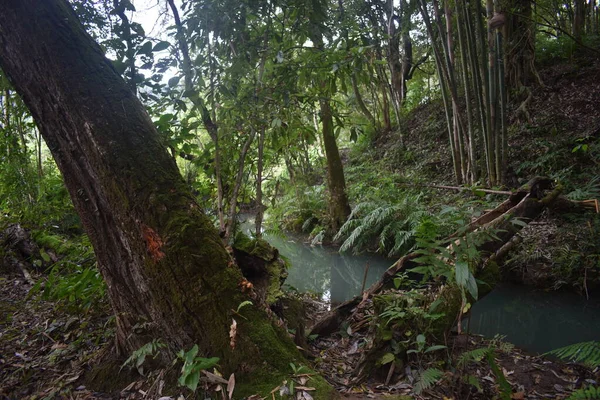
361,104
444,78
492,95
167,271
231,218
259,178
209,124
385,104
339,208
468,85
579,19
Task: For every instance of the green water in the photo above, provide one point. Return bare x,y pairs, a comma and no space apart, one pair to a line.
535,320
324,271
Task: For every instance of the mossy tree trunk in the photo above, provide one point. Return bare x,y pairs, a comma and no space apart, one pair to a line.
168,273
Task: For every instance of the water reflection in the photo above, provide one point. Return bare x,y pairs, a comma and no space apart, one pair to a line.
535,320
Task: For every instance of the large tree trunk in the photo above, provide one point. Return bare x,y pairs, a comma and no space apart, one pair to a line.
168,273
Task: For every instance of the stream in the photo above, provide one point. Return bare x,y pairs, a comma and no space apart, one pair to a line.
534,320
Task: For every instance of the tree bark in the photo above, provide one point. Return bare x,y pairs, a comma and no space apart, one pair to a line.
167,271
339,209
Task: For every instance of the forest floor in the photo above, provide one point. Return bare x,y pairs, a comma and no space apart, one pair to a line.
46,349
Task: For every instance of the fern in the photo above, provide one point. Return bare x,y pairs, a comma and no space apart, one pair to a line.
587,393
587,353
427,379
474,355
391,226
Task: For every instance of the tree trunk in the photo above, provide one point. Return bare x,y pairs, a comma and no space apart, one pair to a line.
167,272
339,209
231,217
259,178
579,19
520,45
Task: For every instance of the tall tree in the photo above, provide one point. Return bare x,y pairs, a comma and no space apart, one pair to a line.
168,274
339,208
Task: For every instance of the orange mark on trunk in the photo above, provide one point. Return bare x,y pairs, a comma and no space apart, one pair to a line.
153,243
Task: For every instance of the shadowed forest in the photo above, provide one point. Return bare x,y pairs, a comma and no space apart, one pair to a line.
299,199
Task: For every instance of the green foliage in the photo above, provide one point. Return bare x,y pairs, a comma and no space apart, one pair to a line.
405,321
193,366
243,304
550,48
299,369
427,379
33,200
488,353
392,226
587,353
586,191
585,393
138,357
475,355
79,289
300,210
74,279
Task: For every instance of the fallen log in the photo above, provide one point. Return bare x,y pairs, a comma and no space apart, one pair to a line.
524,205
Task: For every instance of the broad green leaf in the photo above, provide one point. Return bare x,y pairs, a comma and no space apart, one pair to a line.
206,363
174,81
160,46
462,273
146,48
387,358
434,348
191,381
472,286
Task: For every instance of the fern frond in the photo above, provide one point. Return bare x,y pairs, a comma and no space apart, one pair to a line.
352,240
473,355
374,218
587,353
306,226
587,393
400,240
358,210
427,379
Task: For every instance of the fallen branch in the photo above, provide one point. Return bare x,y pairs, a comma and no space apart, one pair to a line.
463,189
